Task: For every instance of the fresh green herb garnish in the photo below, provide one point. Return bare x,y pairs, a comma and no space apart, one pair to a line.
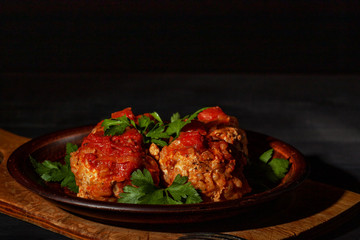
116,126
267,171
266,156
57,172
146,192
278,166
153,131
177,123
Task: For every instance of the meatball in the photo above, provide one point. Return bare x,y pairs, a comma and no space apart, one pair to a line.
211,151
103,164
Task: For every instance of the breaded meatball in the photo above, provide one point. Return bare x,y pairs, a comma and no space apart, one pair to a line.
211,151
103,164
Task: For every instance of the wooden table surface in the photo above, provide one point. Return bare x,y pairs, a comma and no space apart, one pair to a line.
318,114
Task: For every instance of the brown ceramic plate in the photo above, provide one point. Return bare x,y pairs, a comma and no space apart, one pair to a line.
52,147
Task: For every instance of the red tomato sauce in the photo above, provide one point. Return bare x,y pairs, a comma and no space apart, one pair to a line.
213,114
192,139
130,142
121,154
127,111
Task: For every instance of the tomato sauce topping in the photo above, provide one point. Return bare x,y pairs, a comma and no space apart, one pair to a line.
127,111
213,114
118,170
121,154
195,126
192,139
128,143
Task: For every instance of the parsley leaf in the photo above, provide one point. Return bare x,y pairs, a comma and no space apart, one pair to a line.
144,123
266,172
116,126
177,123
157,117
279,167
57,172
274,168
146,192
180,189
174,117
157,132
266,156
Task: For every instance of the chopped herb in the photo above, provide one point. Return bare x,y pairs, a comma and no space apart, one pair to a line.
144,191
57,172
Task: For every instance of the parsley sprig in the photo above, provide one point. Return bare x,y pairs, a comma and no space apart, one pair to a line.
56,172
117,126
144,191
154,131
278,166
266,172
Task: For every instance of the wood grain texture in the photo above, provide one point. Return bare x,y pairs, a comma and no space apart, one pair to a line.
309,210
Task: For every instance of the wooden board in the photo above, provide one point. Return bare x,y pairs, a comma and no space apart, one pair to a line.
310,210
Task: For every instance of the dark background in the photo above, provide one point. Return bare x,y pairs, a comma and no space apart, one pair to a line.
289,69
180,36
